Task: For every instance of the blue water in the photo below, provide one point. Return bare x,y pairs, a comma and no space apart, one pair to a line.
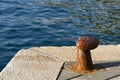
35,23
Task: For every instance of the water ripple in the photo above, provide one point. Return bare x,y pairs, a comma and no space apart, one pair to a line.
29,23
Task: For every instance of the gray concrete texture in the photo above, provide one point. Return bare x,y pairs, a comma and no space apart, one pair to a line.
32,65
47,63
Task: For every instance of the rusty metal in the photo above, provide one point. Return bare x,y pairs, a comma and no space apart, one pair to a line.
84,61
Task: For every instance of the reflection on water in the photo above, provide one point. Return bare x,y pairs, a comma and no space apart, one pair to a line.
98,18
29,23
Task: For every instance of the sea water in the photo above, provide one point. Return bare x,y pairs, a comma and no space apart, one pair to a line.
35,23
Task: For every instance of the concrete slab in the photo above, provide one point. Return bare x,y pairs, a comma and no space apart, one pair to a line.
68,53
32,65
46,63
116,78
107,70
68,75
102,75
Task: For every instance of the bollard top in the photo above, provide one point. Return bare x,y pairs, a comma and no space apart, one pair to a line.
87,43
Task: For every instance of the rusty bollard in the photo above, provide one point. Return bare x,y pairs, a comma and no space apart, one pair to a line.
84,61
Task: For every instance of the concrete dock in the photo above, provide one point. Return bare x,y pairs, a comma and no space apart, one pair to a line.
47,63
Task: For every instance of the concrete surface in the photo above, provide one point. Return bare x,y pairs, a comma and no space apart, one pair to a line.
46,63
68,53
32,65
108,70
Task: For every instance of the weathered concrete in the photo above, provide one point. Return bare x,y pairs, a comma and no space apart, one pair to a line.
108,70
68,53
32,65
44,63
116,78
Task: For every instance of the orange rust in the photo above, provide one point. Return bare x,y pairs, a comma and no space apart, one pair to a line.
83,60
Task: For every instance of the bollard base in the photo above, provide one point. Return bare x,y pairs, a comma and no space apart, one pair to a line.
72,67
105,70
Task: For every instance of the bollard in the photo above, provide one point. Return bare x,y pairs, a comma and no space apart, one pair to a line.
84,61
